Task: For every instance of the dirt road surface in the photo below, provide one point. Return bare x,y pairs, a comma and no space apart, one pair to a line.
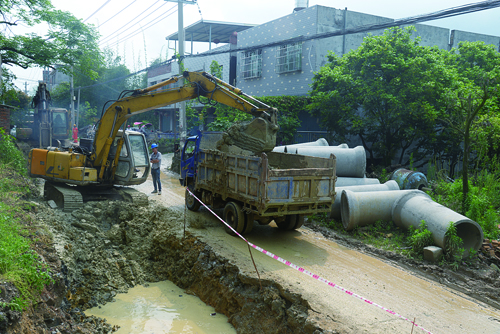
434,307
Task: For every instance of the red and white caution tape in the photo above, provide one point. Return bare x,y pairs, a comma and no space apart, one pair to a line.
307,272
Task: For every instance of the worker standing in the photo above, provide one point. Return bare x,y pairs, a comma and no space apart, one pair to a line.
155,159
75,134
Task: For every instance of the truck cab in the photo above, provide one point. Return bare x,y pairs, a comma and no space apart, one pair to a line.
189,153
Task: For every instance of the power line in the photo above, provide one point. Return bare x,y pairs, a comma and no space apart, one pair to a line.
111,36
100,25
152,23
454,11
96,11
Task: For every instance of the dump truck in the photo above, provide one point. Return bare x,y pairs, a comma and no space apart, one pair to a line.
270,186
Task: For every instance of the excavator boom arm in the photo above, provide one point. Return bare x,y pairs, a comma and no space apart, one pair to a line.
200,84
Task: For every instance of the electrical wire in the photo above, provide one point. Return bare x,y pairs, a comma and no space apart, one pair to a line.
454,11
100,25
153,22
97,11
131,22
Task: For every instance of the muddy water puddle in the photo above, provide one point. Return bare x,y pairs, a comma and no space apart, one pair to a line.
161,308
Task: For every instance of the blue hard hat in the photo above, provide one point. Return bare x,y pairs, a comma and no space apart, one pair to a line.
153,146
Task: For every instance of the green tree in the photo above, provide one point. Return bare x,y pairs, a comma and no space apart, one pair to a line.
387,92
289,108
68,41
475,93
21,102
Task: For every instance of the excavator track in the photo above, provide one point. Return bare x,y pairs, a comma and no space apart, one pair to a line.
134,196
72,198
66,197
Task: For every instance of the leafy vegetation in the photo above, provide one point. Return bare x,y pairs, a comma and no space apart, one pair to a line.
483,200
10,156
68,41
420,238
19,264
387,92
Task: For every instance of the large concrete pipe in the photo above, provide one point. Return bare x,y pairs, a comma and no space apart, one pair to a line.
350,161
388,186
361,209
354,181
408,179
413,208
291,148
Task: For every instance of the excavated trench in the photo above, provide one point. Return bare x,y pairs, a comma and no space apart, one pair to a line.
108,247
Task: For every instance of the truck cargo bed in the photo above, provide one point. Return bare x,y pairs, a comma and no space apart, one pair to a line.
273,184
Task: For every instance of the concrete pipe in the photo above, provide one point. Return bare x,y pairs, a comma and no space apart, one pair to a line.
350,161
291,148
354,181
365,208
410,209
388,186
343,145
408,179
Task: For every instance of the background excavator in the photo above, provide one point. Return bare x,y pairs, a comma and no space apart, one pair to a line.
45,126
116,157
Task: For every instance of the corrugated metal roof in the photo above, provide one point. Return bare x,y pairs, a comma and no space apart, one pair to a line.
200,31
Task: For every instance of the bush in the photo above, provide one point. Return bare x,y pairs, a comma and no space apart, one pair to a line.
10,155
483,201
420,238
18,262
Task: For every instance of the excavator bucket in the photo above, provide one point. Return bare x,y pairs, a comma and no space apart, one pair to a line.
257,135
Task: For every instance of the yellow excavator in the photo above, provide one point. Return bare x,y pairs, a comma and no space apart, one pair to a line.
117,158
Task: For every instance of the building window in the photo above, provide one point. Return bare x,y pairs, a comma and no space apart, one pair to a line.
251,64
289,58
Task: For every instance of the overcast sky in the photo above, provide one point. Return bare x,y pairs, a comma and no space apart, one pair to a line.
149,40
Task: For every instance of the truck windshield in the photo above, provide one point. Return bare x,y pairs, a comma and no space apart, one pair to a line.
139,151
189,149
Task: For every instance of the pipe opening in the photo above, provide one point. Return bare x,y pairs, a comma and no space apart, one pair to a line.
345,212
470,233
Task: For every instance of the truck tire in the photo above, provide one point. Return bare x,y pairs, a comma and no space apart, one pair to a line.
249,219
292,222
235,218
191,202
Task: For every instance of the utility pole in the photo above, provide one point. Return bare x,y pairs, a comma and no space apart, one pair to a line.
26,87
78,108
180,33
1,78
72,102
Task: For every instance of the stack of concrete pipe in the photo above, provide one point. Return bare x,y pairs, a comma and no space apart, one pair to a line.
361,201
351,162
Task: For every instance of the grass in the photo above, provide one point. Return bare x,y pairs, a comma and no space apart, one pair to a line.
383,235
19,264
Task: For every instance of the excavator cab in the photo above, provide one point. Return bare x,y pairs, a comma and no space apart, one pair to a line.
133,164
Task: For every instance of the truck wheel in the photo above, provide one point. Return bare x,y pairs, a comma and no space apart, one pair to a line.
234,217
191,202
249,219
300,222
292,222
